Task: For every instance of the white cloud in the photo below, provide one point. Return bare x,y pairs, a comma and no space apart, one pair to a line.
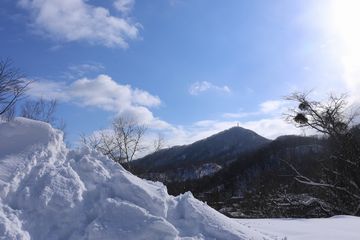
240,114
86,67
124,6
236,115
77,20
265,108
267,127
48,90
344,20
271,127
267,124
271,106
80,70
336,21
180,135
144,98
104,93
199,87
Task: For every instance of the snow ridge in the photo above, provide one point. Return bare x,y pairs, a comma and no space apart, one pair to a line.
50,192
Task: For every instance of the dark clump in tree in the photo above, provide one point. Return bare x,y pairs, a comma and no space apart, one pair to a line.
12,87
338,183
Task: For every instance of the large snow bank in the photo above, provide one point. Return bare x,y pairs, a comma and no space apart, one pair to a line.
50,192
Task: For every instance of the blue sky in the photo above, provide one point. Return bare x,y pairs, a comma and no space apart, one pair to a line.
186,68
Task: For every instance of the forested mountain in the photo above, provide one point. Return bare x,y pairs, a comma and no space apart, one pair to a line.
257,183
238,169
200,158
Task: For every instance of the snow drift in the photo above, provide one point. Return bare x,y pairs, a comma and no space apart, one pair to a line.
50,192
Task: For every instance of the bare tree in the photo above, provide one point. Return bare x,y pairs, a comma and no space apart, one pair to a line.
121,143
329,118
340,176
9,114
40,109
128,136
43,110
159,142
12,86
104,142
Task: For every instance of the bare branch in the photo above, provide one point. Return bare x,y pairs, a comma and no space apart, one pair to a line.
121,143
12,86
339,175
159,142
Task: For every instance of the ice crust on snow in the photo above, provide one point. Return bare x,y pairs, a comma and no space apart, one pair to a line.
50,192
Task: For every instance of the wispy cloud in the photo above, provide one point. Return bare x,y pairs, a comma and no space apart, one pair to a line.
200,87
175,2
76,71
237,115
271,128
269,107
77,20
124,6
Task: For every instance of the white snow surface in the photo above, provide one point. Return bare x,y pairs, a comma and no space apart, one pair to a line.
50,192
334,228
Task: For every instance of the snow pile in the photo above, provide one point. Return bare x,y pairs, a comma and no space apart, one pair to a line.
50,192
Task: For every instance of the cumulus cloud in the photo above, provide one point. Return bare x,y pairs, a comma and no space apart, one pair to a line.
104,93
199,87
77,20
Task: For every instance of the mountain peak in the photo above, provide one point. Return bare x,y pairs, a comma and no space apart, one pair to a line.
219,148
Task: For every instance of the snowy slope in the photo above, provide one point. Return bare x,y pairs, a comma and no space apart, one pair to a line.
50,192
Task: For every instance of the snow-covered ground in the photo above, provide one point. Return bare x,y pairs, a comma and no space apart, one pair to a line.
50,192
335,228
